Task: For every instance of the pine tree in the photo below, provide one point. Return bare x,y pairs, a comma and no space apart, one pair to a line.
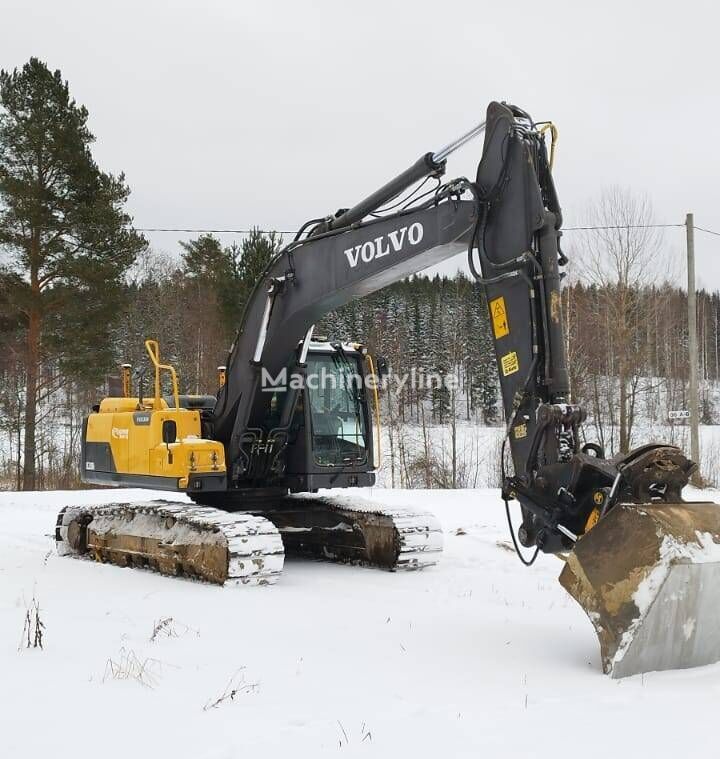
63,227
217,283
204,259
480,356
250,261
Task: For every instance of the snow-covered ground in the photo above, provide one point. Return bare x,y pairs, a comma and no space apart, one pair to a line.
475,657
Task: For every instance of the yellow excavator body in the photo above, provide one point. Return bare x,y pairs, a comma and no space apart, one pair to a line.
134,439
146,442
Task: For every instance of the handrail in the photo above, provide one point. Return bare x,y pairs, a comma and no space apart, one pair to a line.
553,141
153,349
376,398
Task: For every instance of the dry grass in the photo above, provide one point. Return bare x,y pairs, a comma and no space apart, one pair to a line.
237,686
130,667
33,627
346,737
169,627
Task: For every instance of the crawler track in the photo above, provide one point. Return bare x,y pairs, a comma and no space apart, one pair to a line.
356,531
175,539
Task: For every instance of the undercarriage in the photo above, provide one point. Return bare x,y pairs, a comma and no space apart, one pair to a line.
236,547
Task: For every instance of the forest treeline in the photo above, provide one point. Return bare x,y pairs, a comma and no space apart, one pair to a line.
438,325
80,291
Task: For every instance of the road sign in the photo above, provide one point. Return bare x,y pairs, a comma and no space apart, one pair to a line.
680,414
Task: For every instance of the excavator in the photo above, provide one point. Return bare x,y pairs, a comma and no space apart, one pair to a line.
294,416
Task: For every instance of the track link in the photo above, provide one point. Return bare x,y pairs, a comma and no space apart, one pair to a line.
175,538
357,531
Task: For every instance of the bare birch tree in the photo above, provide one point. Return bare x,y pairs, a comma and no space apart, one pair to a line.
622,257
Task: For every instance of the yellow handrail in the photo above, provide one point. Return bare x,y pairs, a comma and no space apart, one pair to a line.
153,349
377,409
554,138
125,375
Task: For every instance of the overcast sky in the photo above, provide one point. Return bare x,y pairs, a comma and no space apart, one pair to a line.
237,113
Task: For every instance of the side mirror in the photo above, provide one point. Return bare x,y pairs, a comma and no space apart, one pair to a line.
382,367
169,431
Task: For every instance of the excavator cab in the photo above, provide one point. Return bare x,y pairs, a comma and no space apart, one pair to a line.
331,442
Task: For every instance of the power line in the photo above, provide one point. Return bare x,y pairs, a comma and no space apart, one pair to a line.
217,231
639,226
709,231
292,232
622,226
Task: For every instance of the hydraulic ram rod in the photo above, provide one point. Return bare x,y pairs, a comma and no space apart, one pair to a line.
441,155
423,167
431,164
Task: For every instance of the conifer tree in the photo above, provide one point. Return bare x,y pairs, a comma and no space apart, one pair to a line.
204,259
250,261
67,239
480,366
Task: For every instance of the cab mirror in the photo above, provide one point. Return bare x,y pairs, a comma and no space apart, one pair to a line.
169,431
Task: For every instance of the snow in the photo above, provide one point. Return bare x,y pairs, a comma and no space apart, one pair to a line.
671,551
476,657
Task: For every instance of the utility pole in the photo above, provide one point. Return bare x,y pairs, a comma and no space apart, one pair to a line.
693,349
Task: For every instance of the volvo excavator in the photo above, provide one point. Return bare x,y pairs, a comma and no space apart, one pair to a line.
293,419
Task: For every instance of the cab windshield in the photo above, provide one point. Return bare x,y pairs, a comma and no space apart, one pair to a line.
334,387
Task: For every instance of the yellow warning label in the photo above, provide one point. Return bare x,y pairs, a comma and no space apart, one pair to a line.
555,306
509,363
592,520
499,317
520,431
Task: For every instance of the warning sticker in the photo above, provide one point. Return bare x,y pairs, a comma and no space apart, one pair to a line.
520,431
509,363
499,317
555,306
